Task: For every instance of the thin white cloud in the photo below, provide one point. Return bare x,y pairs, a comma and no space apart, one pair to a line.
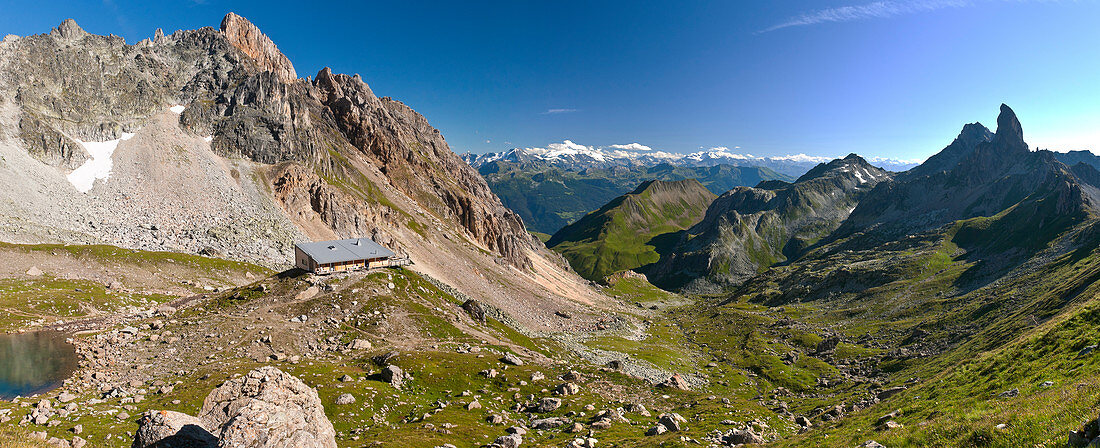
880,10
558,111
632,147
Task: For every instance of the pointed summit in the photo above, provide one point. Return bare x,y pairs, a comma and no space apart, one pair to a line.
1010,133
68,30
248,38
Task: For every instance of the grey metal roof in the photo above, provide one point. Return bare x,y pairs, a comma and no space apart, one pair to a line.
336,251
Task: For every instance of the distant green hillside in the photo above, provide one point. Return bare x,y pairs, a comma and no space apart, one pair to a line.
548,198
622,234
746,230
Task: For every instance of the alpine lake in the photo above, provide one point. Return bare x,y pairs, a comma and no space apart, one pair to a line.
34,363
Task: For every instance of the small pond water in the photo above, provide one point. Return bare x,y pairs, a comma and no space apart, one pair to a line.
33,363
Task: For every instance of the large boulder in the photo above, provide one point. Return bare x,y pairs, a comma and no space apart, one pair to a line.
170,429
266,408
393,375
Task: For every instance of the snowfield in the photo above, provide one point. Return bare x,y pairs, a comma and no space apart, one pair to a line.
97,167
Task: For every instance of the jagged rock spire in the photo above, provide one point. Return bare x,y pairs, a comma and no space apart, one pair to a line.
249,39
1010,134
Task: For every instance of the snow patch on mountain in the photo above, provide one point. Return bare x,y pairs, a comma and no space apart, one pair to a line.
98,166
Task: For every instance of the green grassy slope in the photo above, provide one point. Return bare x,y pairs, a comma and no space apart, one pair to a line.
621,234
958,316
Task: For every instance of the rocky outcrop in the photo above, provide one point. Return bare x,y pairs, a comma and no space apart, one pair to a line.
304,193
266,408
419,162
245,36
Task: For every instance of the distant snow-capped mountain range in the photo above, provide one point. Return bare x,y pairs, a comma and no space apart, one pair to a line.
570,155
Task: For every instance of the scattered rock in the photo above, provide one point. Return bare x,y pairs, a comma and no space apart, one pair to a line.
637,408
548,404
549,423
675,382
890,392
671,422
567,389
34,271
741,436
345,399
656,430
885,418
511,358
509,441
828,344
474,309
359,344
585,442
393,375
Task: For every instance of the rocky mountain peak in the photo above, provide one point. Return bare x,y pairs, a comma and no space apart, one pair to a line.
250,40
974,133
847,164
1010,134
68,30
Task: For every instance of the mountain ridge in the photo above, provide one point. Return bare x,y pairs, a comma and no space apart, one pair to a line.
622,234
749,229
548,197
573,156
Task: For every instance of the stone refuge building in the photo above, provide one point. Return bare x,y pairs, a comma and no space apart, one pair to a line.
325,257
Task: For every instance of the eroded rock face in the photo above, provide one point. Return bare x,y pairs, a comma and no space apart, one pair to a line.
418,161
303,191
244,35
266,408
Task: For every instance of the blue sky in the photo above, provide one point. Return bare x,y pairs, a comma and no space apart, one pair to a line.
880,78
